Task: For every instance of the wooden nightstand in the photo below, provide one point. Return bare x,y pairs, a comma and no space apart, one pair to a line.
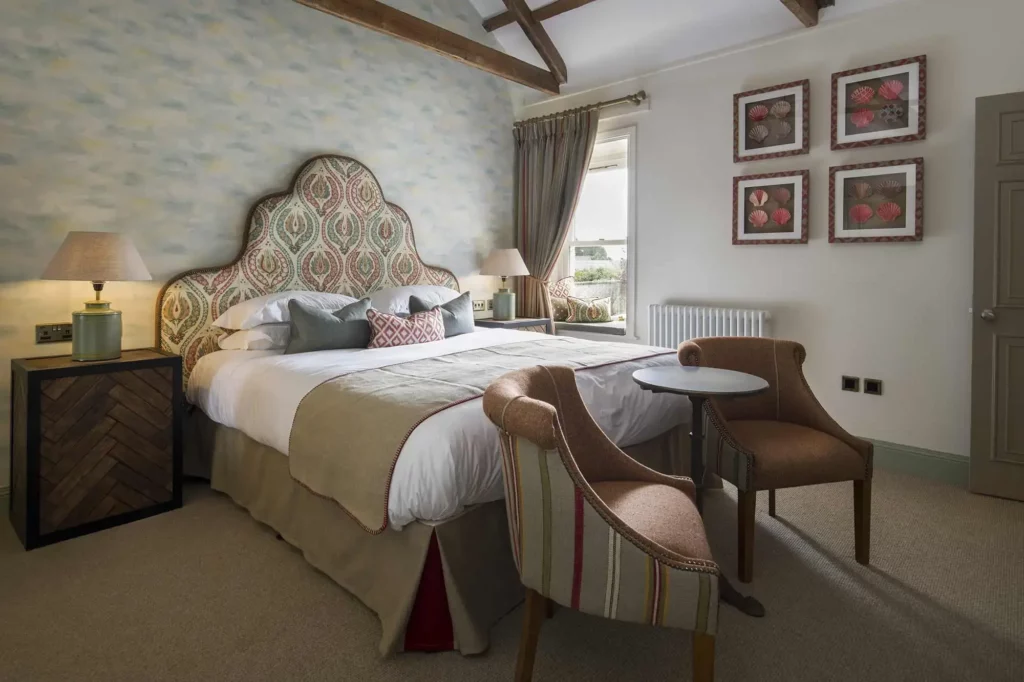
93,444
527,324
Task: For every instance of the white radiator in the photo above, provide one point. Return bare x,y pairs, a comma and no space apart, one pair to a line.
670,325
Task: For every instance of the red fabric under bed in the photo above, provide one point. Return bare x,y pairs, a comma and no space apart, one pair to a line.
430,623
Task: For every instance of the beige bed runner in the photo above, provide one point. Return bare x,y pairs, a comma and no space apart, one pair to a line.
348,431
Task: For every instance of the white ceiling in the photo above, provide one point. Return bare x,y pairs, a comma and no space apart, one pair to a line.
612,40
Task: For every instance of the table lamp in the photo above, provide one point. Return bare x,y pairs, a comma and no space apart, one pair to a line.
97,257
504,263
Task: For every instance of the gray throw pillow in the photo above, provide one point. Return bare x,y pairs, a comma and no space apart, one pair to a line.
316,329
456,313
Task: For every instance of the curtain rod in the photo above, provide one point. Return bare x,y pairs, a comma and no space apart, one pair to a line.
635,99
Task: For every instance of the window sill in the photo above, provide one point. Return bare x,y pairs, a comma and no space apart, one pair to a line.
611,328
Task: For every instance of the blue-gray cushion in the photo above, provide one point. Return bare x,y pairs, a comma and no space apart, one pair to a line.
315,329
457,313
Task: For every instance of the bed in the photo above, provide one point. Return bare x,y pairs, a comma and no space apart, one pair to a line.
421,538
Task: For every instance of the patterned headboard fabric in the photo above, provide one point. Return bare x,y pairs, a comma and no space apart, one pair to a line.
332,231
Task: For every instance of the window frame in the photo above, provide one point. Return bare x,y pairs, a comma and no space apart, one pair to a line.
627,133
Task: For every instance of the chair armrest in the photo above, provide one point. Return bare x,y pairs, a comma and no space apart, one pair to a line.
599,458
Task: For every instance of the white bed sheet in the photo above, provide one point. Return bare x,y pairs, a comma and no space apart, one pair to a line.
452,459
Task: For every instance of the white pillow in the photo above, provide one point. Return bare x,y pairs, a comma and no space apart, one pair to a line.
396,300
263,337
274,308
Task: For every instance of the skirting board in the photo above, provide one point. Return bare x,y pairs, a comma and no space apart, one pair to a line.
938,466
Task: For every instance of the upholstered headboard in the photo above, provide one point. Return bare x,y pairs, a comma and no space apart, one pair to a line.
332,231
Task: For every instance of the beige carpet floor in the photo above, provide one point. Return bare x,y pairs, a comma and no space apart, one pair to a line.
206,593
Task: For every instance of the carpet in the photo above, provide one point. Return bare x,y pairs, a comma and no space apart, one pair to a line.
206,593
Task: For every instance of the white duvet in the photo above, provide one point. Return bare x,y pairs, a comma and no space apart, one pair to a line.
452,459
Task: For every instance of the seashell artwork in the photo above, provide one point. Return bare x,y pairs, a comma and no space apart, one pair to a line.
758,218
889,188
758,133
781,109
757,112
862,95
862,190
862,118
781,216
784,130
781,194
759,197
889,211
891,113
890,89
861,213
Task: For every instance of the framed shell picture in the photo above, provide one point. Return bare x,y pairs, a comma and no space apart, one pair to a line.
880,104
770,208
771,122
876,202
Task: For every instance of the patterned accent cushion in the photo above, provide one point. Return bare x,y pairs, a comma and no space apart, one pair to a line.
559,309
598,310
563,288
391,330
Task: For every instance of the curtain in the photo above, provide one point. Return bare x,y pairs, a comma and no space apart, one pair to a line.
552,157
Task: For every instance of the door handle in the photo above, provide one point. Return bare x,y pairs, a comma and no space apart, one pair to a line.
988,315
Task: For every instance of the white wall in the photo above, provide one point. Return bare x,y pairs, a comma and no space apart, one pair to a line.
896,312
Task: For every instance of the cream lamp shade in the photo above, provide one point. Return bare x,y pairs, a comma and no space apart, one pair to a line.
504,263
96,257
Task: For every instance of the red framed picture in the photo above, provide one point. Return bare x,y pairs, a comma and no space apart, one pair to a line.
772,122
771,208
876,202
880,104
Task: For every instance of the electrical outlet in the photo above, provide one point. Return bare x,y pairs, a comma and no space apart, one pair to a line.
479,306
851,384
873,386
53,333
490,304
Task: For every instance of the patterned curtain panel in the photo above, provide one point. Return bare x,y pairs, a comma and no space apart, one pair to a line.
552,156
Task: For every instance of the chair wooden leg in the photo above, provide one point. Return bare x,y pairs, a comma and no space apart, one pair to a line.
745,518
533,617
771,503
862,521
703,657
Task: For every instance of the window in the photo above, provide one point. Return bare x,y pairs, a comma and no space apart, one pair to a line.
600,234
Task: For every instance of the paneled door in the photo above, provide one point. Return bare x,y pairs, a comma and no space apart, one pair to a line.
997,398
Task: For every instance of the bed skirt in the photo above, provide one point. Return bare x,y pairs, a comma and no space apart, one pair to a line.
384,571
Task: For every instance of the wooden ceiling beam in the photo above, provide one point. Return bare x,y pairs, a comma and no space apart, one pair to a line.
384,19
805,10
539,38
540,14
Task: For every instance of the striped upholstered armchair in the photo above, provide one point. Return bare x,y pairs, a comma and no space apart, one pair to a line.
591,528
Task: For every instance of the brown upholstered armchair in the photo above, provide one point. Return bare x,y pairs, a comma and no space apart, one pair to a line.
780,438
593,529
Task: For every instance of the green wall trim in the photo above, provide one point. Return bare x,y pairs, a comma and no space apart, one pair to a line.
938,466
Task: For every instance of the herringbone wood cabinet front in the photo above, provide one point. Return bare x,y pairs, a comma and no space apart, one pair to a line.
94,444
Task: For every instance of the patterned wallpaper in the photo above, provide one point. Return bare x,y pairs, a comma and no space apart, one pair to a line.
166,120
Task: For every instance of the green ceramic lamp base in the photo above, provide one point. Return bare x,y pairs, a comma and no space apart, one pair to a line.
96,331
